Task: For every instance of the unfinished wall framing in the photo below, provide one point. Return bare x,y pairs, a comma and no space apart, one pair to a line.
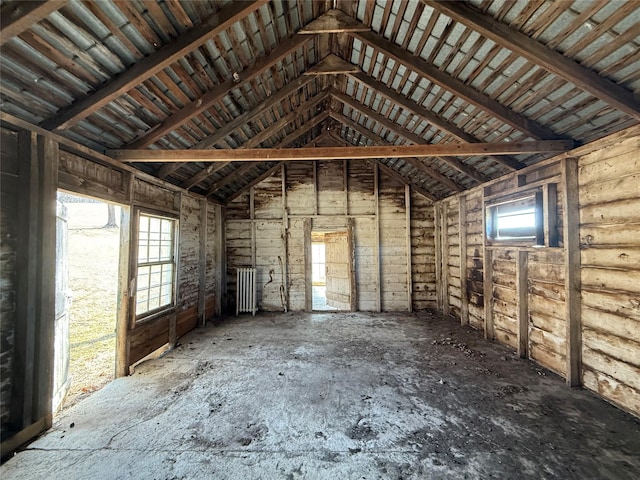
573,307
35,165
269,227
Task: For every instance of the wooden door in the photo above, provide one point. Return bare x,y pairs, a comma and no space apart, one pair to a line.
338,270
62,298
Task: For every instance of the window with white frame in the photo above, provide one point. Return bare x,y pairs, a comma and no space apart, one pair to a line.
516,220
155,276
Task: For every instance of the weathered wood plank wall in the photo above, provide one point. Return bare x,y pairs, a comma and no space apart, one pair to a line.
9,198
80,175
609,186
528,294
268,230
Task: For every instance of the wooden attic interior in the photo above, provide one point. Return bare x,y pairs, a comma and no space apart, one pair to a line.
399,121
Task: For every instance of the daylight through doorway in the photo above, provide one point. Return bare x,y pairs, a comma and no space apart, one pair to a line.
318,272
86,297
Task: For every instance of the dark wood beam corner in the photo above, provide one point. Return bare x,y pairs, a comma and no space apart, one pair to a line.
17,17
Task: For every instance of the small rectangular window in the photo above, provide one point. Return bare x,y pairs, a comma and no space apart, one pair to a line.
155,277
516,220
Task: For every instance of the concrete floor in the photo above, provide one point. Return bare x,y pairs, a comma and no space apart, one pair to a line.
336,396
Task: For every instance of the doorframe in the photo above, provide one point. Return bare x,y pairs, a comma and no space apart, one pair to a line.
308,267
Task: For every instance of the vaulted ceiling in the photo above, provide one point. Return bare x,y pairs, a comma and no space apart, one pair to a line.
132,75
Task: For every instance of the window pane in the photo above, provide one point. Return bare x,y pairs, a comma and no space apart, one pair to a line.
155,283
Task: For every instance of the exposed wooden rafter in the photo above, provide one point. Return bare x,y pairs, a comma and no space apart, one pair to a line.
153,64
392,173
541,55
17,17
242,119
432,118
388,124
457,87
220,91
415,162
272,130
202,174
342,153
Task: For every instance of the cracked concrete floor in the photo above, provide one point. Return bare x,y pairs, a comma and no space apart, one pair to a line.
336,396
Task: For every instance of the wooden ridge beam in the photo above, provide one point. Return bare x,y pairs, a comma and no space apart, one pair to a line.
154,63
216,94
543,56
341,153
415,162
435,120
455,86
17,17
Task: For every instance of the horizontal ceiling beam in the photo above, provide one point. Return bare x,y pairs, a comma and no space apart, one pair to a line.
218,92
17,17
543,56
431,118
342,153
397,129
154,63
415,162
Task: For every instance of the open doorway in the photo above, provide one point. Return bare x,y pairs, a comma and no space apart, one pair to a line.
331,270
88,250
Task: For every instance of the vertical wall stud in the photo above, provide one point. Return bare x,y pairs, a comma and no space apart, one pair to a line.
407,206
437,217
522,267
376,252
488,294
445,258
202,264
571,240
462,232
